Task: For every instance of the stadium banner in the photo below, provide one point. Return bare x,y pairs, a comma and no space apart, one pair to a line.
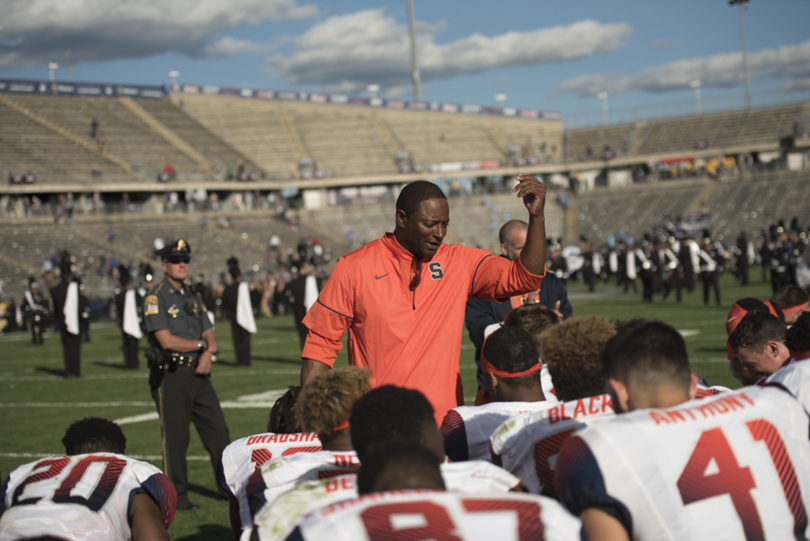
387,103
62,88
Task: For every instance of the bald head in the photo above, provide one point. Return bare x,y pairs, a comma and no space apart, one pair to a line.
512,236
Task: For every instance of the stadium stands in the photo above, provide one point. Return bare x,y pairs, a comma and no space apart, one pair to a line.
636,209
720,131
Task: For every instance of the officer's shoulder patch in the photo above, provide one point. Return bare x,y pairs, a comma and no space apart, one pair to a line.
150,305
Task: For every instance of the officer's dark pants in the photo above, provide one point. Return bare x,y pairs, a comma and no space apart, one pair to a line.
743,268
302,332
589,278
241,344
130,351
182,398
71,350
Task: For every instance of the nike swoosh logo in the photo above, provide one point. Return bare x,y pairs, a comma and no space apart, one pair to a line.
732,319
379,277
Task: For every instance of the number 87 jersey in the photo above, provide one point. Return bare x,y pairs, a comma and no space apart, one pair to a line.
81,497
733,467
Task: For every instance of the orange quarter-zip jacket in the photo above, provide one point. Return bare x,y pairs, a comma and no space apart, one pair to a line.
408,338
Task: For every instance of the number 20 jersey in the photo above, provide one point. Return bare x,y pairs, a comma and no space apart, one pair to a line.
736,466
81,497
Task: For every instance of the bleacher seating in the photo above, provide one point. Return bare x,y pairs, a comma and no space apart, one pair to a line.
124,135
636,209
27,146
753,205
212,147
721,131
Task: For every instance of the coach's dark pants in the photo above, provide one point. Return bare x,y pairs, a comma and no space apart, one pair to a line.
71,350
130,351
241,343
183,398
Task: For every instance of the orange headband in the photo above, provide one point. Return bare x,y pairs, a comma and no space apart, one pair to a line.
341,426
487,367
795,309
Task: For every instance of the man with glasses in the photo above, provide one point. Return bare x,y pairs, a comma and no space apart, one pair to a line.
402,297
182,346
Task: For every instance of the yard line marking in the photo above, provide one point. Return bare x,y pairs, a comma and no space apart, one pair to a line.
153,416
686,333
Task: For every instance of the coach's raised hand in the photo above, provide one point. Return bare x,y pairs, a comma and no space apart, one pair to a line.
534,253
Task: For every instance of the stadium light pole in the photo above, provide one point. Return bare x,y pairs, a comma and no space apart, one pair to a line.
604,97
52,66
696,84
173,75
417,83
741,5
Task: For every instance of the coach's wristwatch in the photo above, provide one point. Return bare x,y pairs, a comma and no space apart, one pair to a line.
202,345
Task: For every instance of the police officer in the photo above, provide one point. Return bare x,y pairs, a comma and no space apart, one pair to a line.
182,345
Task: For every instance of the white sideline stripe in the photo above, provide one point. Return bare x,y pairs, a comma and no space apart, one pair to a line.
686,333
145,375
137,457
225,405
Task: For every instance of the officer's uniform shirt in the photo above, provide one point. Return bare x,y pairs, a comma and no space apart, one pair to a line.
466,429
730,467
432,514
81,497
244,456
282,474
527,445
181,313
276,520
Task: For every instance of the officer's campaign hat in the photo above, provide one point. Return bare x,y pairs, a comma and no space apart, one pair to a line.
178,251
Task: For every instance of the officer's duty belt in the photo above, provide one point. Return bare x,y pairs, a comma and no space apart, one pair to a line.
186,360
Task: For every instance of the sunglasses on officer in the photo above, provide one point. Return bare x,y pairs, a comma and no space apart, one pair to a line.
175,259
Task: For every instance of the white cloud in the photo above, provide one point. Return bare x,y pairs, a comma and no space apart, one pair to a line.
724,69
33,32
370,47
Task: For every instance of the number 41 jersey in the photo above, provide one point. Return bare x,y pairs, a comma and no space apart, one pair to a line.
81,497
732,467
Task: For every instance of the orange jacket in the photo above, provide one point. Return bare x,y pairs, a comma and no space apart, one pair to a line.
408,338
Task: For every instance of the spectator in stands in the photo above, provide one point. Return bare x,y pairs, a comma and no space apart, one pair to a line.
412,337
482,316
93,128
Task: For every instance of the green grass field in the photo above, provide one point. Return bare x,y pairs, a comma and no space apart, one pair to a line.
37,404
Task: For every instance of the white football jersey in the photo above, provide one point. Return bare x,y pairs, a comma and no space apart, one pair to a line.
415,515
466,429
527,445
81,497
246,455
735,466
282,474
795,377
276,520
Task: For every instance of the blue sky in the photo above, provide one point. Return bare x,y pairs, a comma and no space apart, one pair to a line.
549,55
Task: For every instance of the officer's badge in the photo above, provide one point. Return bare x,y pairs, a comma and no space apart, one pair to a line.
151,305
174,310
